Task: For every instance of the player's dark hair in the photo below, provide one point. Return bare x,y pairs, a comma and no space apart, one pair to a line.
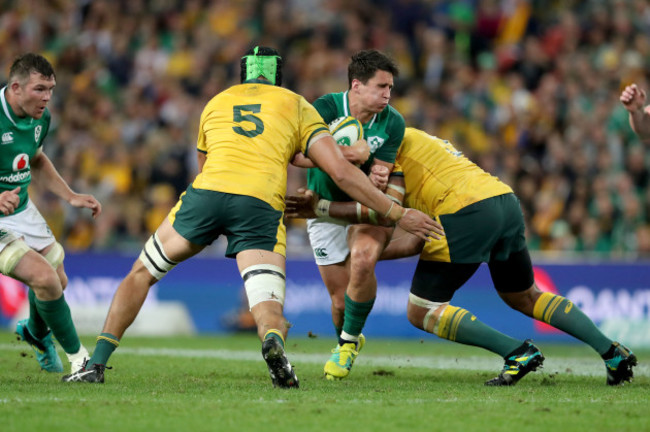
262,61
24,65
364,64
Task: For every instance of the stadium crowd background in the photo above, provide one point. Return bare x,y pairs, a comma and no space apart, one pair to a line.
527,89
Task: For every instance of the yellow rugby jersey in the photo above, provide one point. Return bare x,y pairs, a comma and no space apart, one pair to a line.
439,179
249,134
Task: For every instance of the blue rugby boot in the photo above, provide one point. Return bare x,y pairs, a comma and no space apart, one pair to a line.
619,361
524,359
44,348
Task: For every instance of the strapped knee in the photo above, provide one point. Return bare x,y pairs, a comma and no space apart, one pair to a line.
432,317
11,256
56,255
154,258
264,282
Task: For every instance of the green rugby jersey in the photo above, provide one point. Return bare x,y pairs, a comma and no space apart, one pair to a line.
20,140
384,134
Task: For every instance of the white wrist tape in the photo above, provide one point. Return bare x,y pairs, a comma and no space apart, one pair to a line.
322,208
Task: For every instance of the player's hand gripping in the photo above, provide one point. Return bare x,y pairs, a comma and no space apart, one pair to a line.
379,176
633,98
302,205
421,225
359,152
9,200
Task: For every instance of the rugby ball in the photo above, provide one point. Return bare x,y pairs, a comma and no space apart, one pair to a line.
346,130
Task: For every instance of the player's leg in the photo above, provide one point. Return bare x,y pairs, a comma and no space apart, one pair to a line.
24,264
336,278
559,312
54,254
366,242
433,286
328,239
264,278
161,253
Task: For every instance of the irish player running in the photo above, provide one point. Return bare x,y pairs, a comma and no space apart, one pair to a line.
28,250
346,255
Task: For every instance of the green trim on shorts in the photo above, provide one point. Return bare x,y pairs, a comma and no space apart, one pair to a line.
490,229
247,222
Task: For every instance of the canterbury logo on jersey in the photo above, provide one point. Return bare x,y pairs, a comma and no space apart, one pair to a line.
7,138
374,143
37,132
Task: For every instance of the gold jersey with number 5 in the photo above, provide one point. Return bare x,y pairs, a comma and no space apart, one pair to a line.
249,134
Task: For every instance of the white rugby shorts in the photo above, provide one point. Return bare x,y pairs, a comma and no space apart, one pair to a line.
30,225
329,240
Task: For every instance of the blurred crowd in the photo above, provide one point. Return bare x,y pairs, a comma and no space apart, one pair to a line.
527,89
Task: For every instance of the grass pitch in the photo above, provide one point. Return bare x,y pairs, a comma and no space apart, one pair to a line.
221,383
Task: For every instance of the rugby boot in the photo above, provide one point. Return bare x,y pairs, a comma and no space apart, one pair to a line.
619,361
94,374
518,363
280,370
44,348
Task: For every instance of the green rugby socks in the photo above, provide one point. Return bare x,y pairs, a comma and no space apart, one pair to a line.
37,327
56,314
459,325
562,314
106,344
356,314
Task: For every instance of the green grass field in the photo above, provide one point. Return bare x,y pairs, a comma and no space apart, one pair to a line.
221,383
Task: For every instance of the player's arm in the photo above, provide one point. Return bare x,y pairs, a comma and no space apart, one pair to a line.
326,154
46,175
402,244
306,204
357,153
633,99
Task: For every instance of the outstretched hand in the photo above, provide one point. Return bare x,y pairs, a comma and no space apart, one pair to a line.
301,205
9,200
86,201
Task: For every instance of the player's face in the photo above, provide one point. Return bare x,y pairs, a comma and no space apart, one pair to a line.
33,96
375,94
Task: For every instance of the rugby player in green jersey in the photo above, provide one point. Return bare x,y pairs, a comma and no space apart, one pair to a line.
346,254
248,134
28,250
483,222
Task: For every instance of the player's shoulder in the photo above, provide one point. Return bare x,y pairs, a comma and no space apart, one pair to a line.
394,116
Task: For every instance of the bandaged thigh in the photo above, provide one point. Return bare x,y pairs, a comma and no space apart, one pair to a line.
264,282
154,258
56,255
11,256
432,317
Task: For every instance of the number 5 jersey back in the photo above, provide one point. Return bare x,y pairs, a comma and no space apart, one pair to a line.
249,134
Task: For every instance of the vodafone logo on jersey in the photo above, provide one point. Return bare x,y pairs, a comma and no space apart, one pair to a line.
21,162
19,165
